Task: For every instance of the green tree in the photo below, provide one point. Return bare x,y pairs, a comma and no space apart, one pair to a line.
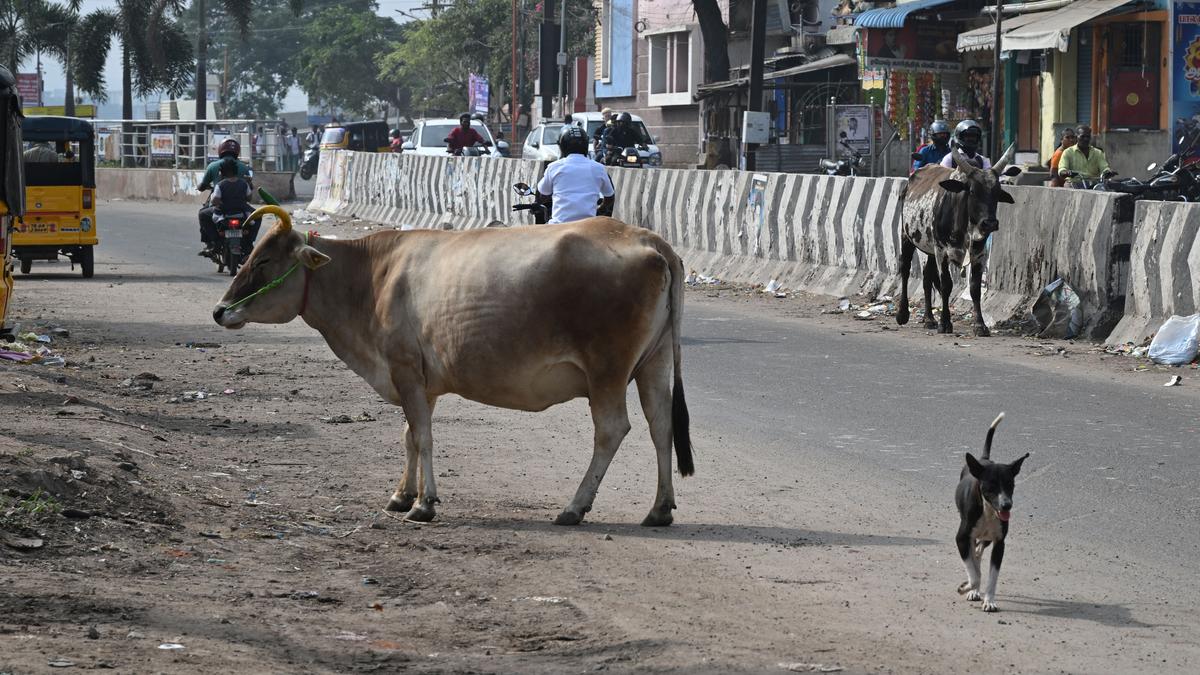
337,58
62,32
18,20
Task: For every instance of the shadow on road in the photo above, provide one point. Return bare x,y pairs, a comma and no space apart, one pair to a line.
701,341
745,534
1118,616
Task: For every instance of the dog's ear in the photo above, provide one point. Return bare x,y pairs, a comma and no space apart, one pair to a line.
1016,466
974,466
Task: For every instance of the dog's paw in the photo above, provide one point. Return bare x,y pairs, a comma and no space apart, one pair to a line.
973,595
989,606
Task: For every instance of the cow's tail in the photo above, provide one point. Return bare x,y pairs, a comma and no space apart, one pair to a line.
987,444
680,420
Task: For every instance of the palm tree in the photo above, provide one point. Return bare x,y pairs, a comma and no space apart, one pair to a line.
59,30
17,21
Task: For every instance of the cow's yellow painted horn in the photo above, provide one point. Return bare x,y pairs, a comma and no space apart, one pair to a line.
285,220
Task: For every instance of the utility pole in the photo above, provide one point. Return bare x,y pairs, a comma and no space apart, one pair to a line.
562,60
201,62
547,55
758,40
997,79
512,110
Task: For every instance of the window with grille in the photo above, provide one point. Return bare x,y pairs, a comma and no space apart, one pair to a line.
671,66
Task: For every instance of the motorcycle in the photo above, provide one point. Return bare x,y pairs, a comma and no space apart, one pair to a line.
632,157
850,164
477,150
541,212
236,240
308,168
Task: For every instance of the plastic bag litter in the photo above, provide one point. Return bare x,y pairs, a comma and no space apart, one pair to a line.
1057,311
1177,342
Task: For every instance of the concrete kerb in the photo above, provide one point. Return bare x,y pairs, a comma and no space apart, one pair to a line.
1164,269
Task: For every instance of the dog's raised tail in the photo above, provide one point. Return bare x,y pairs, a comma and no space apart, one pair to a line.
987,444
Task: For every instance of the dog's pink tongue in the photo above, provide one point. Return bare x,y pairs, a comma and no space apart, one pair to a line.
1004,515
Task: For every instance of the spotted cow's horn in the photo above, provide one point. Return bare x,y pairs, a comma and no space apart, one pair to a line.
285,220
1005,159
961,162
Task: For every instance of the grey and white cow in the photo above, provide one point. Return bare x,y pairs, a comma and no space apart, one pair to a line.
947,213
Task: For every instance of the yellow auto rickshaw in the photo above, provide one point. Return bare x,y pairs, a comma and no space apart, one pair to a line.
60,193
360,136
12,186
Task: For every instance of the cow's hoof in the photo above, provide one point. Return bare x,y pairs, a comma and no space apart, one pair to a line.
658,518
946,329
930,323
400,503
569,517
902,316
973,595
421,513
982,331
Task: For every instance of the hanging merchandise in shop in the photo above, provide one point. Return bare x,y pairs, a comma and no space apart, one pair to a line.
912,60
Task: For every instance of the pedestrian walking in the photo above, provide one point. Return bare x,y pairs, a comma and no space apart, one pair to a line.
293,140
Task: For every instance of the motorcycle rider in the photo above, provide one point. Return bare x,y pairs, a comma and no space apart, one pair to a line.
463,136
231,197
619,136
397,141
606,117
229,149
938,148
968,136
574,185
1068,139
1084,160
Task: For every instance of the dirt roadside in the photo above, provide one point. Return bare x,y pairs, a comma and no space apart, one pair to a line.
244,525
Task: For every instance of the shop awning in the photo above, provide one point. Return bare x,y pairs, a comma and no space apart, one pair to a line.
893,17
1039,30
705,90
985,36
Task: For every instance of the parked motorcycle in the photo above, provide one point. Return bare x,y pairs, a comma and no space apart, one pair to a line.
541,212
850,164
312,157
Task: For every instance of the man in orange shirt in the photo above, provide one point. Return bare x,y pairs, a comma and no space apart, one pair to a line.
1068,139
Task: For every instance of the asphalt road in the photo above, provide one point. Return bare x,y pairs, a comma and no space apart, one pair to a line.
875,424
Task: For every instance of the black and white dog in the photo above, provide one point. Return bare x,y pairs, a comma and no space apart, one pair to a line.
984,499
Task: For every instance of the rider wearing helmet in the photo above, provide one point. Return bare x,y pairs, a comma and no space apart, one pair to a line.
397,141
229,148
574,185
620,135
968,137
938,147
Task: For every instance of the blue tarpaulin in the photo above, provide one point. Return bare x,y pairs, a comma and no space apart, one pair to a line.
893,17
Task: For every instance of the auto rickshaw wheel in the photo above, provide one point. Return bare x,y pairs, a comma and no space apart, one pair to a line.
86,259
26,265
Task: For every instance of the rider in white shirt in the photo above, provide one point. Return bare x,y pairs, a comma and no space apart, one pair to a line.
575,185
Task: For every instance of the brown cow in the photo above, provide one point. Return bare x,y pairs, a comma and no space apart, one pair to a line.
519,318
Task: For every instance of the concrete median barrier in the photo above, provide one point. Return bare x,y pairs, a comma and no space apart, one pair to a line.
176,185
1081,236
417,191
822,234
1164,269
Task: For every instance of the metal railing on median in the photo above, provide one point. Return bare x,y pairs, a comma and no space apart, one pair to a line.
192,144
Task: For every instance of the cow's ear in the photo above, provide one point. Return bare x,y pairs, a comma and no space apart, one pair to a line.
1004,197
311,257
951,185
974,466
1012,171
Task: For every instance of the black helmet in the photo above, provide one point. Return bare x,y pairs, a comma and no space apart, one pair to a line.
229,147
573,140
394,133
624,118
963,134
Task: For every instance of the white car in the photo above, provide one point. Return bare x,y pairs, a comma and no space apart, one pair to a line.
542,143
429,137
591,121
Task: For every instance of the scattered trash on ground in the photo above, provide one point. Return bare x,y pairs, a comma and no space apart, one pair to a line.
1174,381
774,288
546,600
694,278
346,419
1128,349
1177,342
171,645
1057,311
